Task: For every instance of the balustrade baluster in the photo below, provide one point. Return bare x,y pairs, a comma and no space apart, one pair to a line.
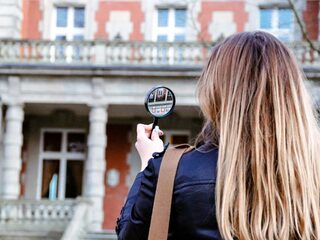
15,52
316,55
87,53
10,51
308,55
33,52
146,53
122,53
107,53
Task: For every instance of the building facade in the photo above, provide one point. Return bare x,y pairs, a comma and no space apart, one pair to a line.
73,77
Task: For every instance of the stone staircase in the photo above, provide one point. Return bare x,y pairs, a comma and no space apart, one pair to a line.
48,220
105,235
41,235
34,235
42,219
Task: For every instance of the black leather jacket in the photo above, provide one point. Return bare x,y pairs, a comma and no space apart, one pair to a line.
193,207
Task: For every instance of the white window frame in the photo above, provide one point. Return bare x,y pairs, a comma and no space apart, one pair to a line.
63,157
275,30
171,30
69,31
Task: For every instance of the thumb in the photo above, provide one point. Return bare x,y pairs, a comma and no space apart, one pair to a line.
155,133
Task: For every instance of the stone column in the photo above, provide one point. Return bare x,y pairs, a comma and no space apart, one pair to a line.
10,18
96,164
1,141
12,143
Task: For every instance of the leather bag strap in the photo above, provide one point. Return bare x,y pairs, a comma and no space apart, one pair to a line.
160,218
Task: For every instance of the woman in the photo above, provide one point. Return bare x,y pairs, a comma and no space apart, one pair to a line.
264,183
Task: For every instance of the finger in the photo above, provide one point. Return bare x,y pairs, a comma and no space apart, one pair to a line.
155,133
141,128
143,131
148,127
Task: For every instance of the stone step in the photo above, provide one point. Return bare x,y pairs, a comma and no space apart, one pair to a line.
26,235
105,235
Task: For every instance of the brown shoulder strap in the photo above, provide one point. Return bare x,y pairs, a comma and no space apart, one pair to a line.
159,225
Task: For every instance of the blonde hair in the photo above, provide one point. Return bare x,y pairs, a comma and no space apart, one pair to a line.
258,112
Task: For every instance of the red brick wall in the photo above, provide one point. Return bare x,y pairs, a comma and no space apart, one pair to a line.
311,18
118,148
238,7
103,15
31,16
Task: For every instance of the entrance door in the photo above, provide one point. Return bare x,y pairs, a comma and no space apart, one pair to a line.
117,170
62,155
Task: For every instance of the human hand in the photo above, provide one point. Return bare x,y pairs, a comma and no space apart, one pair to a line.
145,146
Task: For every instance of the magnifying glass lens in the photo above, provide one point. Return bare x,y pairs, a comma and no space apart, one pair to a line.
160,102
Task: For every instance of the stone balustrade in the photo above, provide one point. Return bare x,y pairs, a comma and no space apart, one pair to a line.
304,54
121,53
30,212
65,219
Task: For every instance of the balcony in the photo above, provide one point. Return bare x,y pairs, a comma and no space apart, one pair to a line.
124,53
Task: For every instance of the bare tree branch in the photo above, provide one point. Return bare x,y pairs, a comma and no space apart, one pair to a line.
302,26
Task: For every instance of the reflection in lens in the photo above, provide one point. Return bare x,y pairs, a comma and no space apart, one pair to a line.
160,95
151,97
160,102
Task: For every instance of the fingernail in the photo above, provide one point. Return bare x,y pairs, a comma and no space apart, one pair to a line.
156,129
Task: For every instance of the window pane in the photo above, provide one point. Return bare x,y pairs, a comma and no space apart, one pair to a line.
78,37
162,51
74,178
285,18
62,16
79,17
163,17
76,142
50,178
52,142
179,38
61,37
266,18
162,38
180,17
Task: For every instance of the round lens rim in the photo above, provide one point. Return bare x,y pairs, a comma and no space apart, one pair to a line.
147,98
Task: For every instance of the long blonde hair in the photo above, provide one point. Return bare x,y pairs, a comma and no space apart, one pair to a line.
259,114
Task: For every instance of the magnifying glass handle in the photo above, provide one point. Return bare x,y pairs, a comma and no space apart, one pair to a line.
155,123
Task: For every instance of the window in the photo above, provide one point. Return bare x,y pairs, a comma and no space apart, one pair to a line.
171,24
170,27
62,155
279,22
69,23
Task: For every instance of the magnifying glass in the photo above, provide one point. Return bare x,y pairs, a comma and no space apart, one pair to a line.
159,102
